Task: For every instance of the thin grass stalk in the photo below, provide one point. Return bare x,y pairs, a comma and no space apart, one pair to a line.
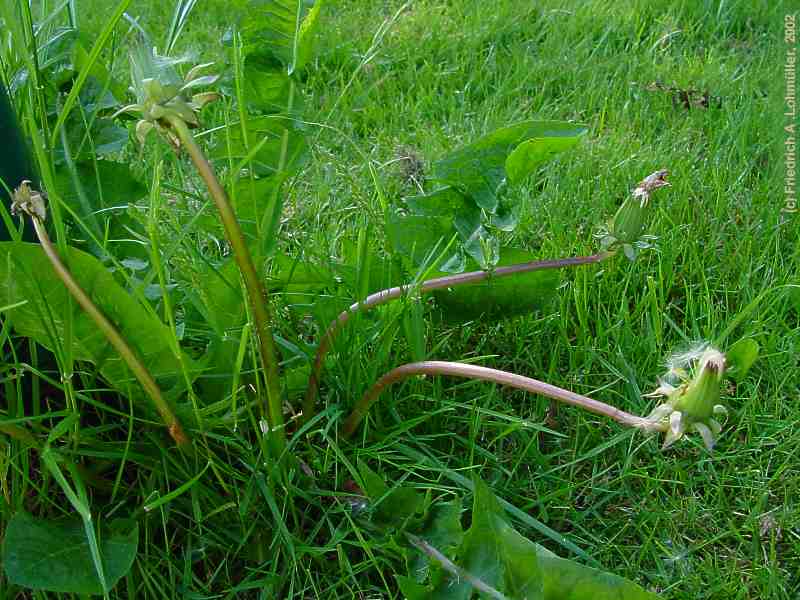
256,292
450,281
520,382
113,336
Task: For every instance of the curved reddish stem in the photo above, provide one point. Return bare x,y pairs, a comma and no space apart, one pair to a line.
426,286
520,382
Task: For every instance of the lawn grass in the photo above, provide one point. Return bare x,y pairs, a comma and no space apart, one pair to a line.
394,80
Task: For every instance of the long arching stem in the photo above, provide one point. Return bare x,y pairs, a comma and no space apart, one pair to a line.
117,341
309,405
256,292
520,382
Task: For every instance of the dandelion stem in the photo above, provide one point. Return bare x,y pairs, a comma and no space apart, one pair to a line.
387,295
256,292
520,382
117,341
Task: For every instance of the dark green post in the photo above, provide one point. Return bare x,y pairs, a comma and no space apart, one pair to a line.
15,159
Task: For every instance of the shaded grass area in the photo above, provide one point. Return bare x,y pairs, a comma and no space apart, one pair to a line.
395,82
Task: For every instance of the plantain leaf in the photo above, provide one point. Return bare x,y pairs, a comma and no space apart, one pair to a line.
54,555
27,275
482,169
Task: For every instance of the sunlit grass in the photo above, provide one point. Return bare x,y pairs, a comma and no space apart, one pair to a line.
683,522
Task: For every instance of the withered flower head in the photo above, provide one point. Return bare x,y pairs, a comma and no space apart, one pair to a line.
29,201
692,390
162,94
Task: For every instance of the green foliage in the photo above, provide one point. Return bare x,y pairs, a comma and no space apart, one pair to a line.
391,505
54,554
568,580
501,297
27,277
282,28
740,357
272,144
490,558
493,552
477,200
99,193
487,68
506,156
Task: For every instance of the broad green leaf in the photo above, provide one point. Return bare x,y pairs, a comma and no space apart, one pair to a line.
26,274
216,293
431,221
304,48
298,281
98,75
54,555
526,157
107,190
364,275
500,297
394,506
414,236
495,553
284,28
266,85
258,205
741,356
480,169
278,142
442,530
411,589
567,580
101,138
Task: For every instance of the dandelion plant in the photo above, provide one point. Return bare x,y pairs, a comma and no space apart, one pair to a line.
32,203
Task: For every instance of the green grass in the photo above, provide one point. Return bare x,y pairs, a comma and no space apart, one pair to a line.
682,522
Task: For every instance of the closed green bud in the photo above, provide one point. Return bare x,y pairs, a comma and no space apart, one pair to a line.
702,394
630,222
